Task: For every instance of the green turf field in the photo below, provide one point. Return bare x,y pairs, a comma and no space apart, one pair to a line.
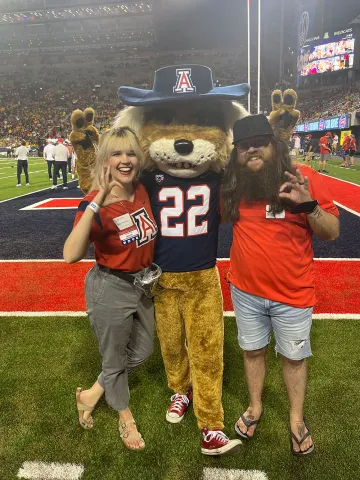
351,174
43,360
38,177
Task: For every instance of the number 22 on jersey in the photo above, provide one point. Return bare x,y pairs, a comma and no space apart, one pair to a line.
191,226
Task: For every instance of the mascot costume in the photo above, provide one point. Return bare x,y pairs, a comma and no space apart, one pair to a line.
184,126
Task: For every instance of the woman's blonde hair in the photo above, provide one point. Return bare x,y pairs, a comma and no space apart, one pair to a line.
111,141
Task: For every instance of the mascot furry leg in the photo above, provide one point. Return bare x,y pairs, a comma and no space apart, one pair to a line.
193,346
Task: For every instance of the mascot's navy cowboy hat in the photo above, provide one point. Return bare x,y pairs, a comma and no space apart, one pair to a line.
181,82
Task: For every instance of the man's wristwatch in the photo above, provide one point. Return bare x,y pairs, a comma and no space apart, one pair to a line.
305,207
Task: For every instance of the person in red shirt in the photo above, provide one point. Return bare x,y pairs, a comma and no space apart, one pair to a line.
352,150
346,147
275,207
116,217
325,150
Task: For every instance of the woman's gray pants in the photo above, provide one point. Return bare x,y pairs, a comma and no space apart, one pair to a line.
122,319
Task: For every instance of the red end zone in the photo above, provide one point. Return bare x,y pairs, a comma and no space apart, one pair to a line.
55,204
54,286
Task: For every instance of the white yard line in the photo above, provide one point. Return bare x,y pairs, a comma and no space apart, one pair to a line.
227,474
50,471
45,260
219,260
30,172
316,316
32,164
36,191
347,209
340,180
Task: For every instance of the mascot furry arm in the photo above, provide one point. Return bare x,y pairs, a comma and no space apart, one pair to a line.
84,138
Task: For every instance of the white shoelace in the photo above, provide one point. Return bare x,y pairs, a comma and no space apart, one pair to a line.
217,435
179,401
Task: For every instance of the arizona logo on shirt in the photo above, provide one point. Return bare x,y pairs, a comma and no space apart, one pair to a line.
184,83
145,226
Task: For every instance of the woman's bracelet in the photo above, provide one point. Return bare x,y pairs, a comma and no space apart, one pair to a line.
94,207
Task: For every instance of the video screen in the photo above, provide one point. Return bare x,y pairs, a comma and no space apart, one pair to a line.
328,57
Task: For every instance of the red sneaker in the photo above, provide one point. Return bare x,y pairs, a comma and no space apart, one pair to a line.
178,407
215,442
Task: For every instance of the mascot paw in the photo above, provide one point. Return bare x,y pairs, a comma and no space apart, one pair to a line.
284,117
84,137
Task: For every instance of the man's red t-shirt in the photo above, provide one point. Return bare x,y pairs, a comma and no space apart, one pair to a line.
109,248
346,143
324,141
273,257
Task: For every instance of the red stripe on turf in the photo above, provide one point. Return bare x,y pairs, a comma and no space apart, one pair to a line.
337,286
345,193
57,286
60,203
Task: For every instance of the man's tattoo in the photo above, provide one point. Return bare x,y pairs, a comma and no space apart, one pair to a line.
317,213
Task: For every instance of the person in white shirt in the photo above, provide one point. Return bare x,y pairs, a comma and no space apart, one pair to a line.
48,155
335,144
22,163
297,145
60,157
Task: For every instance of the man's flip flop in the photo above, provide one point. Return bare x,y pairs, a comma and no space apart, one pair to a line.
308,451
247,424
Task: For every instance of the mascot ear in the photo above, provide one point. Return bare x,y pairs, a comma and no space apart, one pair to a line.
89,115
284,117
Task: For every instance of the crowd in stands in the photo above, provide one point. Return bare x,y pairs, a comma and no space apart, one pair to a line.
38,103
324,103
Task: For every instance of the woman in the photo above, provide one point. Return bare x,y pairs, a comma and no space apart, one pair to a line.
117,217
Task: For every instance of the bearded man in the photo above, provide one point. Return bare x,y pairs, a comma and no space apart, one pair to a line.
275,208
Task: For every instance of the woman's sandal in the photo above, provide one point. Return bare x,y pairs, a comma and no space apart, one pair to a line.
308,451
125,433
88,423
247,424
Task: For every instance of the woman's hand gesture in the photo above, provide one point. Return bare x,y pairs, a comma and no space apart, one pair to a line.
105,197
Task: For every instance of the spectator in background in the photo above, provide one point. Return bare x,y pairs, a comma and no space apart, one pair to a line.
69,147
352,150
22,163
325,150
346,148
297,146
48,155
335,144
60,157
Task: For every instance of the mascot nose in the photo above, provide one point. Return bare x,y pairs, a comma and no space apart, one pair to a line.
184,147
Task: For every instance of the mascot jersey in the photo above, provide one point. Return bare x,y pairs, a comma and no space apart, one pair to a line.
187,213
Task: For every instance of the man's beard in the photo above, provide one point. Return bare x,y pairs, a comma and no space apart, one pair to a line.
262,185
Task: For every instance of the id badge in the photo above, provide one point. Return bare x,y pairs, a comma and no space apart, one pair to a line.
128,231
277,215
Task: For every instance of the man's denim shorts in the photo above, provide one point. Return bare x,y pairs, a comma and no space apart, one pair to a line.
256,317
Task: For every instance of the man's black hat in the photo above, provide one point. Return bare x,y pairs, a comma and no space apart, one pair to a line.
179,83
251,126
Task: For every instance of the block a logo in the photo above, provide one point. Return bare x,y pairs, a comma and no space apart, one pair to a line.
184,83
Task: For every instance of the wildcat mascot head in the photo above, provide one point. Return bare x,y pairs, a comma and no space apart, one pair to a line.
184,124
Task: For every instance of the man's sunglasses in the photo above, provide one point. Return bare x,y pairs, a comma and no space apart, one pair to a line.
255,142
